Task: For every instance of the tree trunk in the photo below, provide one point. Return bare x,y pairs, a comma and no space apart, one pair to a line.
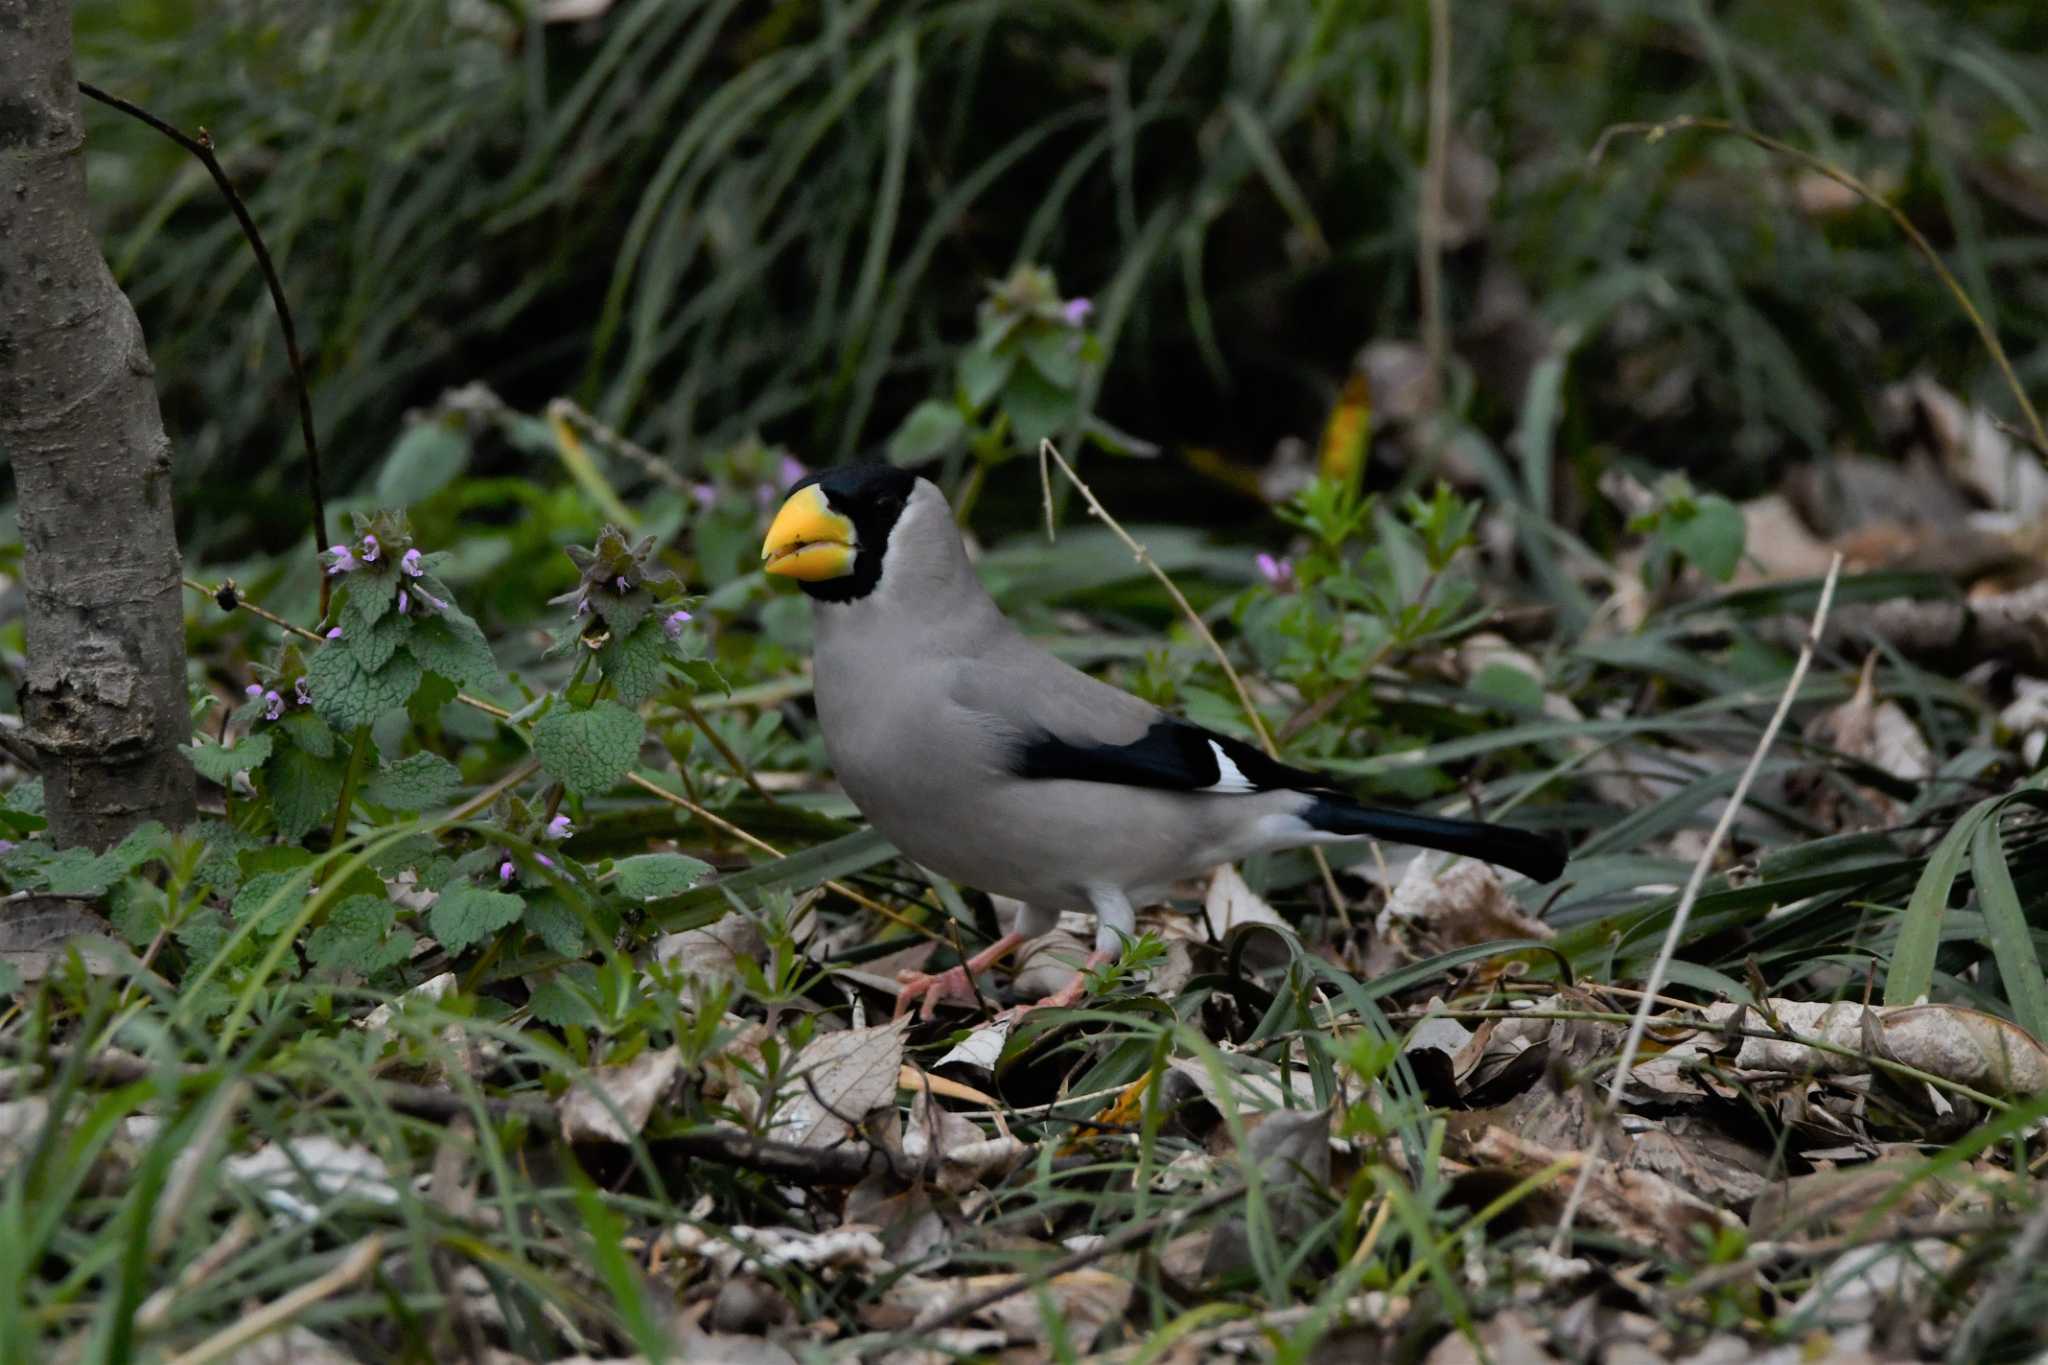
104,700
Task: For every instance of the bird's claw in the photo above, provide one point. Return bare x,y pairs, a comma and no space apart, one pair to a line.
935,989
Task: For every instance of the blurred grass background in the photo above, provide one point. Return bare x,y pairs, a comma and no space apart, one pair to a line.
713,220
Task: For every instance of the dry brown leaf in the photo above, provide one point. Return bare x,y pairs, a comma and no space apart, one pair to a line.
38,932
613,1103
378,1020
2026,718
288,1176
1880,734
1999,469
1507,1338
1432,911
982,1048
1966,1046
1969,1047
1777,545
1638,1206
1231,902
1085,1300
837,1081
710,955
850,1246
962,1155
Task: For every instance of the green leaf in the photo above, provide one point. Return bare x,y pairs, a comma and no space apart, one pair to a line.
10,978
451,644
269,900
357,937
1055,352
414,782
1912,970
367,599
556,925
426,460
309,732
588,751
1038,408
657,876
468,914
80,871
347,696
983,371
1711,535
303,787
373,645
931,430
2012,940
636,662
221,764
220,867
564,1000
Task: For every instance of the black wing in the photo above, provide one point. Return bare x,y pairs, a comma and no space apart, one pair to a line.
1172,755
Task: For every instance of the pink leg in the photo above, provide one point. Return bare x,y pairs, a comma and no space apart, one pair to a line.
954,983
1069,994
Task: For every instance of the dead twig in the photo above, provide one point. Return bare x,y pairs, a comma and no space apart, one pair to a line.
1676,930
280,1312
202,148
1429,227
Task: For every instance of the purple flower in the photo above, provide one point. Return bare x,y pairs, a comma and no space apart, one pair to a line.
705,493
672,624
6,847
1077,311
545,861
582,606
334,634
1278,573
506,870
559,828
253,690
273,706
620,584
410,564
370,548
793,470
433,602
344,562
305,697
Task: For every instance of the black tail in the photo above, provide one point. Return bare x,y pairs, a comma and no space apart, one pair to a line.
1536,856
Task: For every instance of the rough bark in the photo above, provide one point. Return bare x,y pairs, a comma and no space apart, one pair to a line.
104,699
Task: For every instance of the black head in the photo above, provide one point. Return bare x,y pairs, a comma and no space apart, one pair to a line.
834,527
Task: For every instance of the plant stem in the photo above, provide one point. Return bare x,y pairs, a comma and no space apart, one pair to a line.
970,491
357,747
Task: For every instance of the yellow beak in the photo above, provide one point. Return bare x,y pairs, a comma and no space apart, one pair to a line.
808,539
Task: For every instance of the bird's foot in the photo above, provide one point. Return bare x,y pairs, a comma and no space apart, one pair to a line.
1066,996
952,985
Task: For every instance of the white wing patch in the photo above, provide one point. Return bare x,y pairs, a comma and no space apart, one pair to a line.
1230,778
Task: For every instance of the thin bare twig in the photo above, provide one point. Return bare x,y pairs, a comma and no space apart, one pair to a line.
202,147
651,464
1429,227
1655,132
1047,450
1676,930
280,1312
732,760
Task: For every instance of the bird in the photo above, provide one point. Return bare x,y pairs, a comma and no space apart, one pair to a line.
985,759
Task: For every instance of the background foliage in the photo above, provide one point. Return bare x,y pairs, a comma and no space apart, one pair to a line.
604,278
